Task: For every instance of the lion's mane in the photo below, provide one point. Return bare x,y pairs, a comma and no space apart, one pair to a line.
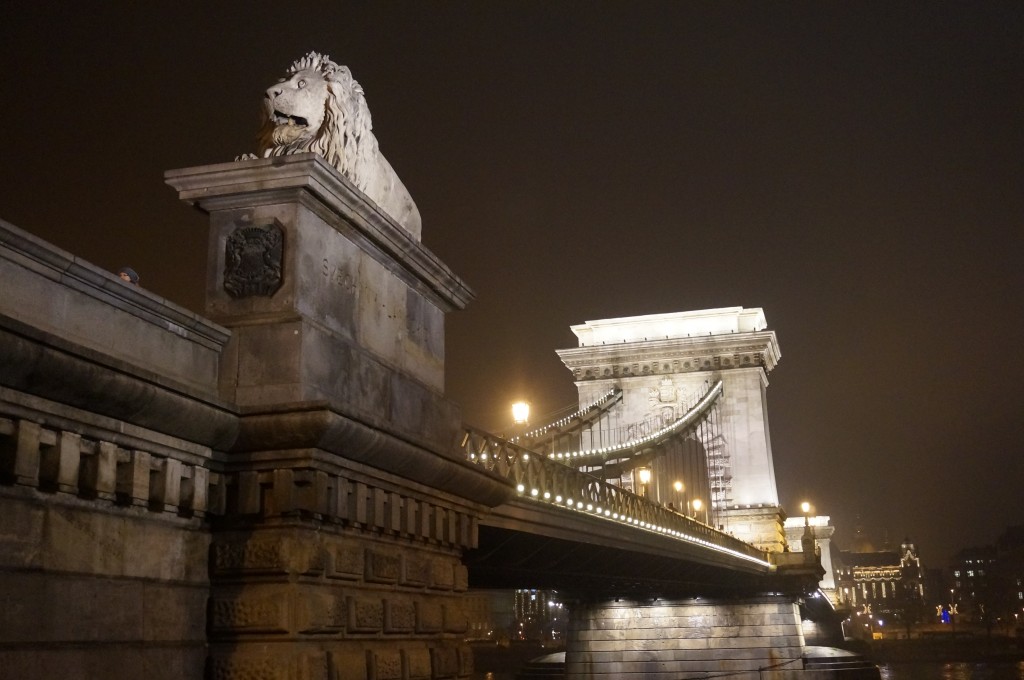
345,139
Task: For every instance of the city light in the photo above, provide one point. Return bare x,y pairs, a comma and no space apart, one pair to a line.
521,412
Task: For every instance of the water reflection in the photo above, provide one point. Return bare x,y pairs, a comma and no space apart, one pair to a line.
953,671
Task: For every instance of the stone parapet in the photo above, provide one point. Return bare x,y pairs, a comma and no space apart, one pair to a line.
57,294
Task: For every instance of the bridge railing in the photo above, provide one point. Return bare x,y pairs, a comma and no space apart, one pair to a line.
543,480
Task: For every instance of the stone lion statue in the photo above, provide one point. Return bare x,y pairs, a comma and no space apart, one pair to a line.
319,107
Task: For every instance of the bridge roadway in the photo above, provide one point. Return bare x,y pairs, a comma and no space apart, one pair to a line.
525,544
571,531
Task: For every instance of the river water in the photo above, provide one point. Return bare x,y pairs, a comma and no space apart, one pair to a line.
921,670
496,663
953,670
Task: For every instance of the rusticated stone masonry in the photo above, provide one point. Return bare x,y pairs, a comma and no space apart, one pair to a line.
360,581
324,574
347,607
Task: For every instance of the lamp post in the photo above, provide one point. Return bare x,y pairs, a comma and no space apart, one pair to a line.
521,413
678,486
644,476
807,540
520,419
698,504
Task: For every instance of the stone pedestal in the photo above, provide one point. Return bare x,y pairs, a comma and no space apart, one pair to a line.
821,532
347,505
328,299
761,526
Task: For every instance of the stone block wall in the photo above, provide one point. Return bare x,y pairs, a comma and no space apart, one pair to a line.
674,640
292,602
323,570
102,552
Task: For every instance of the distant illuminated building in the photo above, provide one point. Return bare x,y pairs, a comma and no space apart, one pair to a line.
988,582
972,580
538,615
886,583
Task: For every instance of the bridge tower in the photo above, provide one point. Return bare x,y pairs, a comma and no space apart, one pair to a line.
662,363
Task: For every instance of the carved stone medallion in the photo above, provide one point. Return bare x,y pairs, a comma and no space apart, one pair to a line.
252,261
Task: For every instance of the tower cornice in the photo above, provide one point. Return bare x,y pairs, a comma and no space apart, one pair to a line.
673,355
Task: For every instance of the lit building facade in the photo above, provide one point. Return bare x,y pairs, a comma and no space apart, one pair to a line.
887,584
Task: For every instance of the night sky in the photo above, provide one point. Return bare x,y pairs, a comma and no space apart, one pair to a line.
856,169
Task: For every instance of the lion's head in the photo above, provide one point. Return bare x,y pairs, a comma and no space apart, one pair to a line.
319,107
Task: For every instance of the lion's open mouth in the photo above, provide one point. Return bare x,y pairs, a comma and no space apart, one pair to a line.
285,119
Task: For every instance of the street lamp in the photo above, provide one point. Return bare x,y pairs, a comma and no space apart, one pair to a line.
521,412
644,475
807,540
678,486
697,505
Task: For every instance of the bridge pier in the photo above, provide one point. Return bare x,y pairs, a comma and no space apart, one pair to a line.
338,554
676,639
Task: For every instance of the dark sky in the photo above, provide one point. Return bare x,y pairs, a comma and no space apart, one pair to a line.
854,168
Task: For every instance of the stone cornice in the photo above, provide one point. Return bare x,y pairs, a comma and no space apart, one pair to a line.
50,262
673,355
226,186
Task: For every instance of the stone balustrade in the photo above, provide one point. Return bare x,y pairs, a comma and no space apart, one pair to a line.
59,461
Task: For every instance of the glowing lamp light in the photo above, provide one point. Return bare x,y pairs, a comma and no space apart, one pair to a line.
521,412
678,486
805,507
697,504
645,475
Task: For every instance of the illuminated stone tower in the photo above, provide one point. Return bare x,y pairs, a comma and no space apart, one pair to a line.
662,363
